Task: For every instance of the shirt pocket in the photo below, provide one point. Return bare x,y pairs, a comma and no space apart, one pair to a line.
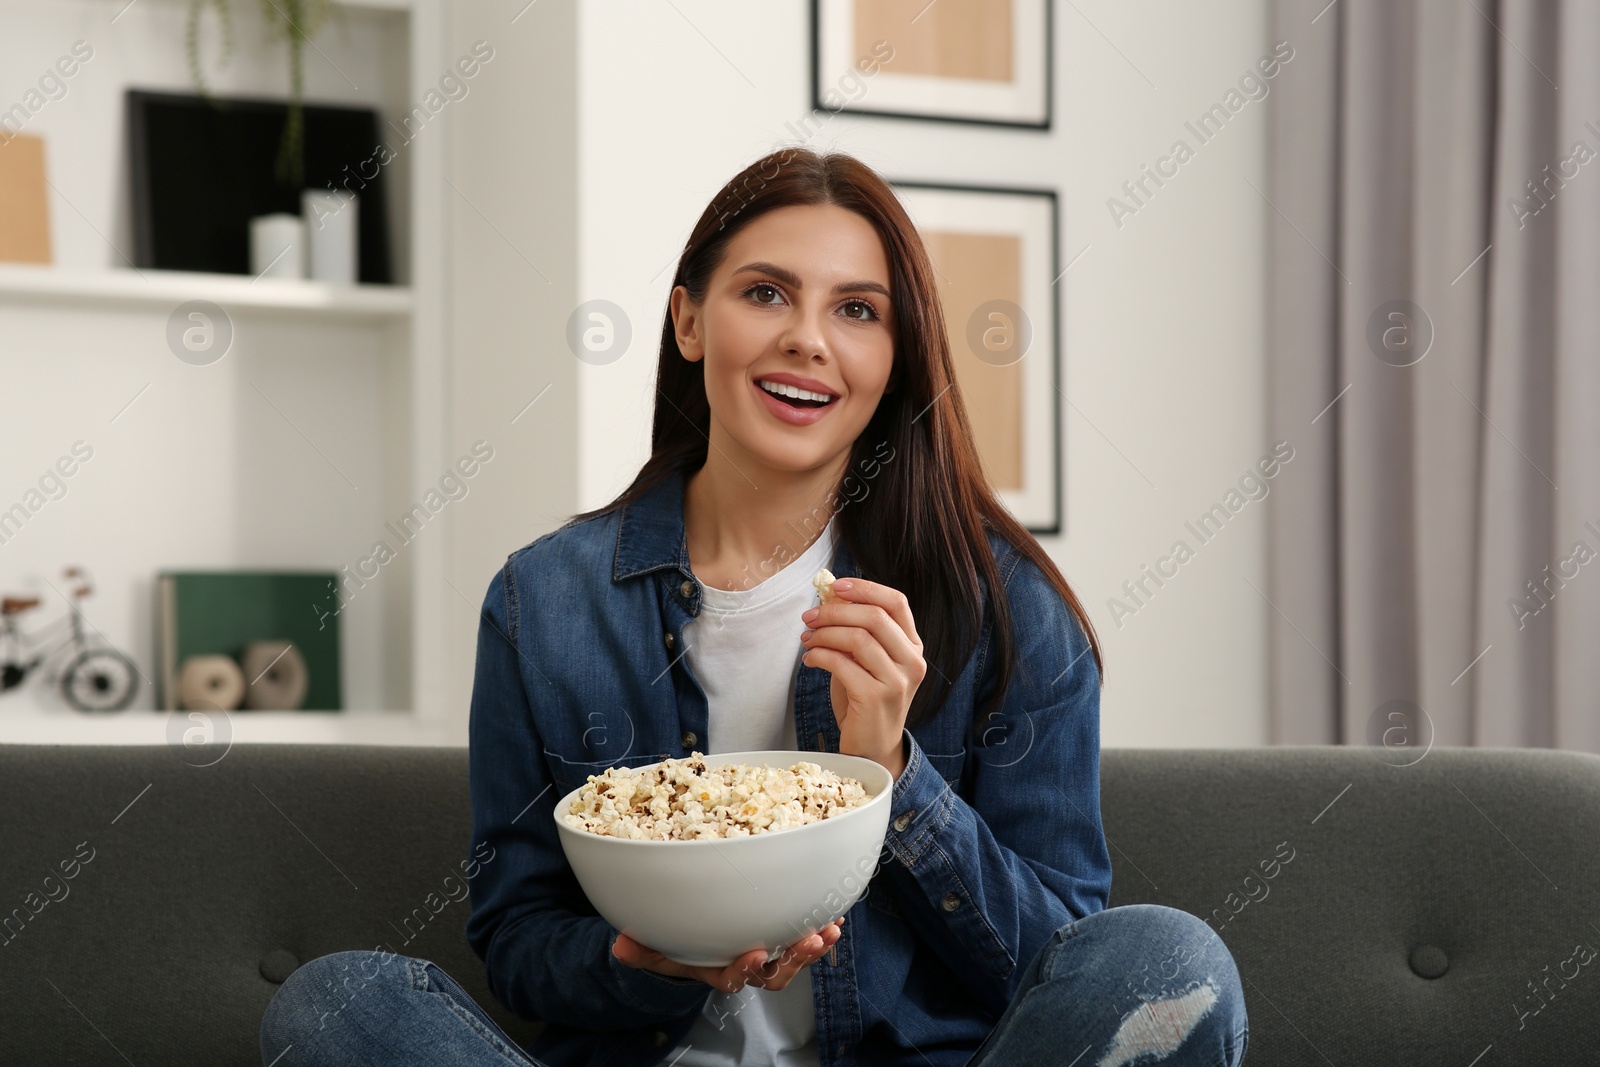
570,774
880,898
948,764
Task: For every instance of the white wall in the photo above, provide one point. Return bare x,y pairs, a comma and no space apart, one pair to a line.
513,272
1164,357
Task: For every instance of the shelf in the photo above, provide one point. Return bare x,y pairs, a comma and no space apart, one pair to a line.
166,289
59,727
402,7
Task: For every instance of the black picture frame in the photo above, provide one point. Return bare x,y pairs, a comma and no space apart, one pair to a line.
1052,524
1048,88
201,169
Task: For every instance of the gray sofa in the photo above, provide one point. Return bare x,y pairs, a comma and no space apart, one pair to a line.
1442,913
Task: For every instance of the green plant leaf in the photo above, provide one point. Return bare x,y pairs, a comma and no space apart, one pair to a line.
191,40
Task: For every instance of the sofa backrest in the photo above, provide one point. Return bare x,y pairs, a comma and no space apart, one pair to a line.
168,937
1379,914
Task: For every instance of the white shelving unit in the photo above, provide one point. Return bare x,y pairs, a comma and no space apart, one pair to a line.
145,727
89,291
382,346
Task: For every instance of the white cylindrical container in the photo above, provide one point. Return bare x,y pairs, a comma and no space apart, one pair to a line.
277,246
330,217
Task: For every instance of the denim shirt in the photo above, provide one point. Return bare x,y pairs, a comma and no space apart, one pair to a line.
994,839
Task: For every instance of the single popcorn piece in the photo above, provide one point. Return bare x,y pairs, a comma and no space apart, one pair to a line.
824,583
685,800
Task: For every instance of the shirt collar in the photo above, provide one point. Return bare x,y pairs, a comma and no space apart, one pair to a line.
650,534
651,537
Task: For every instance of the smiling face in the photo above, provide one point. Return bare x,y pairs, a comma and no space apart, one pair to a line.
797,311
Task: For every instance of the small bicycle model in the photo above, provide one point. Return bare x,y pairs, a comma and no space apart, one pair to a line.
94,676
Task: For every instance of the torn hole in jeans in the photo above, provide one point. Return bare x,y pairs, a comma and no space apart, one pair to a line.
1157,1027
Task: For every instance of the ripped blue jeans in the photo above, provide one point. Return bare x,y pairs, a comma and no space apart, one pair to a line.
1137,984
1129,986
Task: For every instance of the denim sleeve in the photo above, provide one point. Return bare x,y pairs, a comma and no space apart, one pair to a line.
988,874
546,954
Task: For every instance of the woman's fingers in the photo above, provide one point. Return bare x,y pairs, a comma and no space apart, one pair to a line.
798,956
741,972
872,620
636,955
842,666
875,622
890,599
861,644
753,968
627,950
730,978
872,639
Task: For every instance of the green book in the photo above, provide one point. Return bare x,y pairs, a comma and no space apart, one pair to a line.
220,612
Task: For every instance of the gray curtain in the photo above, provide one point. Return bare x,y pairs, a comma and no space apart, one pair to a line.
1434,324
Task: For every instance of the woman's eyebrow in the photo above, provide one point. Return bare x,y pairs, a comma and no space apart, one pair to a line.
790,278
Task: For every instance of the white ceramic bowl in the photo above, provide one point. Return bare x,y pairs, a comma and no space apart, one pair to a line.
705,903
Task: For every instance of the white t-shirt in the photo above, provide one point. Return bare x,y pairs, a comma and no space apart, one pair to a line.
737,649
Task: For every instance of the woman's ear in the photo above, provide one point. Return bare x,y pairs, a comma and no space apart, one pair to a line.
686,324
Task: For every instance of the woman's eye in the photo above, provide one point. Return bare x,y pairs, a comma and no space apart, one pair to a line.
860,310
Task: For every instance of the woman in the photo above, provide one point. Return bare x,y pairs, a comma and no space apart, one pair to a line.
807,416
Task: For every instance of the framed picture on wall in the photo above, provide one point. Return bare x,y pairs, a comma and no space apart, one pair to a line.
983,61
994,253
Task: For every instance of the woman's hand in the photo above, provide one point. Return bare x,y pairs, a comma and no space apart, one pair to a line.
867,640
750,969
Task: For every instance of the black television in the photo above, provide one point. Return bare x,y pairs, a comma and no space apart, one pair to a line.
203,168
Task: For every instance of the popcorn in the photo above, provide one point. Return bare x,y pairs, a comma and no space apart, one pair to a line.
685,800
823,580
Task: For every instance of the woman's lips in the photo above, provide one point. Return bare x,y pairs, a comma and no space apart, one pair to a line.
791,414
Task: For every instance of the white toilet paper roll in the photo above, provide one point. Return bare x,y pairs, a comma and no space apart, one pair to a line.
277,246
330,218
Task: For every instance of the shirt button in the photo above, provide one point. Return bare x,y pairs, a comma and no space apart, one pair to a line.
951,902
903,820
660,1038
669,639
689,739
686,590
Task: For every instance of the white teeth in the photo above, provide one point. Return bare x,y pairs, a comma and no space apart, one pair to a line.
794,391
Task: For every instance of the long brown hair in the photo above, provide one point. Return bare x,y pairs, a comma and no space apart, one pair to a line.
920,528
